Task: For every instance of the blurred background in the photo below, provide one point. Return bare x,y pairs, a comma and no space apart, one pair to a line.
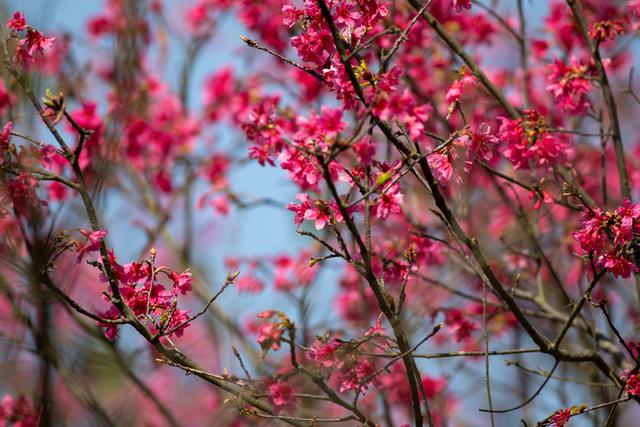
265,229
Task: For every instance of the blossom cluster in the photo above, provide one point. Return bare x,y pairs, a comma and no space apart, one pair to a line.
141,289
570,84
631,383
286,272
270,332
20,189
33,44
350,369
17,412
611,237
606,30
390,100
530,144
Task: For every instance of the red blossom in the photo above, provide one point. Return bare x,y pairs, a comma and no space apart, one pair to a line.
100,25
433,386
198,17
539,197
570,84
94,241
17,412
622,225
34,44
147,298
317,211
530,145
325,353
396,387
377,329
281,396
249,283
5,136
480,145
561,417
631,382
617,264
17,22
459,5
560,22
7,99
357,378
21,192
291,15
606,30
269,336
87,117
265,314
592,236
291,273
181,282
441,167
455,90
459,325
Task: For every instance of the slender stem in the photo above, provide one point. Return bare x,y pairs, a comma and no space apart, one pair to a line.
522,41
487,378
254,44
384,62
529,400
577,308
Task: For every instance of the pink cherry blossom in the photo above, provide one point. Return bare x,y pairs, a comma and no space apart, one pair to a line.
324,353
561,417
35,43
17,22
281,396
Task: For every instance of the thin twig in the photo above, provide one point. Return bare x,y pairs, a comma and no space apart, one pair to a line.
548,421
227,283
384,62
487,378
254,44
529,400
